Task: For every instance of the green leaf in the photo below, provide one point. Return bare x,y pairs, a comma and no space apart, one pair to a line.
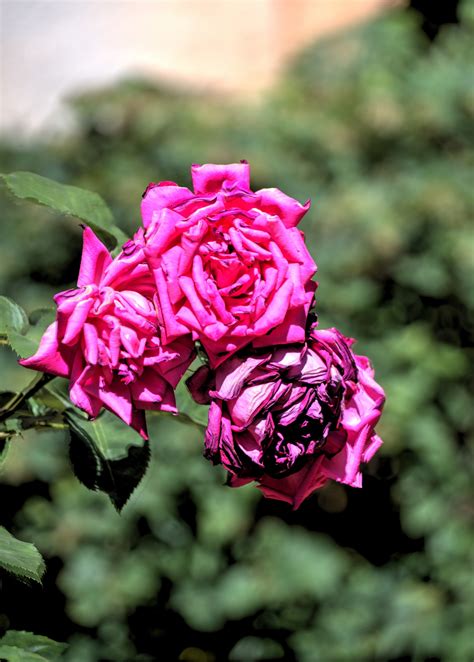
20,646
20,558
26,343
4,448
12,317
40,319
190,411
5,397
14,407
71,200
13,425
56,394
21,345
39,313
15,654
107,455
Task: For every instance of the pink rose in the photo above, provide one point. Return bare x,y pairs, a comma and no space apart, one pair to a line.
292,417
106,339
230,265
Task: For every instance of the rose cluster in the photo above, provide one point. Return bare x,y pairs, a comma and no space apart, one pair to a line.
290,405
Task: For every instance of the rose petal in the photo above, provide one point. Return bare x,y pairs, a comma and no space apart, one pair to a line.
165,195
246,406
76,321
297,487
229,382
276,203
95,259
117,398
200,383
50,356
211,178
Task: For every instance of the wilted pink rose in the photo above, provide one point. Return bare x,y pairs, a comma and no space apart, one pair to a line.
230,265
106,339
292,417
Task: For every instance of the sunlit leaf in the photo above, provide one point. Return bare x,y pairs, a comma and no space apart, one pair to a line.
20,646
26,343
21,345
71,200
20,558
12,317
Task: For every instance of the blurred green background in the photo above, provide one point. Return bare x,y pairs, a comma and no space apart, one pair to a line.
376,126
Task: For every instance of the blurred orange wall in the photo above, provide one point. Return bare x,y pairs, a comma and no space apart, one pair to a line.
52,48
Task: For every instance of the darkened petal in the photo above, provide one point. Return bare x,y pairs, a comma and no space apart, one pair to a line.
296,487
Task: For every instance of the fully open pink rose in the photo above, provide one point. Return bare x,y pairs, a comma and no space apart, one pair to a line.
106,338
292,417
230,265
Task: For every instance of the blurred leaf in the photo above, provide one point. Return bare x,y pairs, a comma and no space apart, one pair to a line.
13,425
252,648
193,654
12,317
15,654
107,455
5,397
20,558
7,427
85,205
20,646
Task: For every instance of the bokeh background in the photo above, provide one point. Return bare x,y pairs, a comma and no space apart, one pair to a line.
374,122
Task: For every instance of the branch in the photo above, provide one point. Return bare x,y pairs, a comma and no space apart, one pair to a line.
19,398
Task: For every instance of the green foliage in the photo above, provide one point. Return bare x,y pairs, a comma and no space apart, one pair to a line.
19,646
24,340
20,558
376,126
85,205
12,317
23,410
107,455
189,411
4,448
